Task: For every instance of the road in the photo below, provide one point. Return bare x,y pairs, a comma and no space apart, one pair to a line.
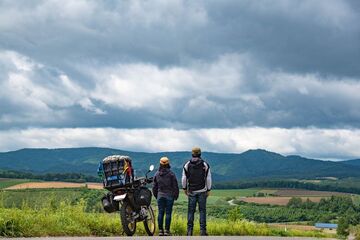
169,238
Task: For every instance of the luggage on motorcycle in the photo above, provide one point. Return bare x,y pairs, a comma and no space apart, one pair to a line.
142,196
117,171
109,204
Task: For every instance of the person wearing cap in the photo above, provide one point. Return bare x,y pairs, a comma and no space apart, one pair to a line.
196,182
166,191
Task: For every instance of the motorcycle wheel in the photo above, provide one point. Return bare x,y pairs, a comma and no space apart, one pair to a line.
149,222
127,221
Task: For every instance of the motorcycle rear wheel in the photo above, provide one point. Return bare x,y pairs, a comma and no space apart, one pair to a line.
127,221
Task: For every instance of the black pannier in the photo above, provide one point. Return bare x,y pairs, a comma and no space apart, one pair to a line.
109,204
117,172
142,196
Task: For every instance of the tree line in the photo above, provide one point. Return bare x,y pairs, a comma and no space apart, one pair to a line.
283,183
66,177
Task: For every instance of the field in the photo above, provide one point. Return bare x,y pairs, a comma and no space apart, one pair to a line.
276,200
282,196
54,196
8,182
218,197
35,185
304,193
65,212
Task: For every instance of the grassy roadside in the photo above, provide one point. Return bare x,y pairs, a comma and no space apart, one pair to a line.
72,220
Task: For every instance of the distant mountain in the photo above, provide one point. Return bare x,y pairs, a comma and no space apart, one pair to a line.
354,162
252,164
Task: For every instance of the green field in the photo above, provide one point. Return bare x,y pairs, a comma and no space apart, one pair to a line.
220,197
8,182
65,219
58,201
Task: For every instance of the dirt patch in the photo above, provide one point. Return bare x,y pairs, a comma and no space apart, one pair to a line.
46,185
304,193
276,200
293,226
94,185
55,185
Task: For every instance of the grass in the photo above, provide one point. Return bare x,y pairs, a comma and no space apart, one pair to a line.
7,182
220,196
39,198
72,220
356,199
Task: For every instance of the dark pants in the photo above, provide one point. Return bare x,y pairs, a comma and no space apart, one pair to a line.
165,205
193,199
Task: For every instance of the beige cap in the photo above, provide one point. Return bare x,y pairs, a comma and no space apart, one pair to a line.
196,151
164,161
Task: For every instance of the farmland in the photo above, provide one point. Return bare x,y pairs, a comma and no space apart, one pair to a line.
40,212
277,200
282,196
43,195
44,185
7,182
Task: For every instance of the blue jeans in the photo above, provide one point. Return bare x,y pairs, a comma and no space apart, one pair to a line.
193,199
165,205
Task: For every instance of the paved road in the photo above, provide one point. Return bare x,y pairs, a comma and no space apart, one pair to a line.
169,238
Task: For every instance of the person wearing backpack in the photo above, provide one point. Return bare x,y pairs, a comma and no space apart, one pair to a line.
166,191
196,183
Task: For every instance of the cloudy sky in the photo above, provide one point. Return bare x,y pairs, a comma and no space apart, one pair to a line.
165,75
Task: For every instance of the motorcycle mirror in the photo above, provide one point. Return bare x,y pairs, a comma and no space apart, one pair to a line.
151,167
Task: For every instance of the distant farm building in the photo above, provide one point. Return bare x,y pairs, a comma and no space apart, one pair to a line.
326,225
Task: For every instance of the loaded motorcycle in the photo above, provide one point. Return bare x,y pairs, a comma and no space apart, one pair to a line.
128,195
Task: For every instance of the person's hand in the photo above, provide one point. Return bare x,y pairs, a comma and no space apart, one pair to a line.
186,192
208,193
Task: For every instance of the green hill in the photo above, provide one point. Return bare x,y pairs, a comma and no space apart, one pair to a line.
252,164
354,162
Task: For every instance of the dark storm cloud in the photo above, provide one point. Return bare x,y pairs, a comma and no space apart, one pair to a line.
179,64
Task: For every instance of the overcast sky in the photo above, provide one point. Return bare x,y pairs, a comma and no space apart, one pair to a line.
167,75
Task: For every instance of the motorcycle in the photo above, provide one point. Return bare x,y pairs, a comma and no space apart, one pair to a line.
134,203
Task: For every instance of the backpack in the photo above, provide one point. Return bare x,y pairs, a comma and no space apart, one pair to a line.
196,174
116,171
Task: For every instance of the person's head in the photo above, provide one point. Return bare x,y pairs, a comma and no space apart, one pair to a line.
196,152
164,162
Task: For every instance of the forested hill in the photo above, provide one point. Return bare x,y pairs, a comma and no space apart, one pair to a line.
355,162
252,164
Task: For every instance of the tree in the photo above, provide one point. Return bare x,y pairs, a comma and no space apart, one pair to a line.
295,202
235,214
343,227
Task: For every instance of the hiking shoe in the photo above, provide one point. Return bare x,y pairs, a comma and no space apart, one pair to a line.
161,232
189,233
204,233
167,233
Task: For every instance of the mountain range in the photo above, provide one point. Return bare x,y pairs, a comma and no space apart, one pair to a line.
252,164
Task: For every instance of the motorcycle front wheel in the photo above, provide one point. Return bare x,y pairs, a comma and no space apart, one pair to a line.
127,220
149,222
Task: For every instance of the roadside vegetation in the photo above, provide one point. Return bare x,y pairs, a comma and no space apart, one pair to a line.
45,212
66,219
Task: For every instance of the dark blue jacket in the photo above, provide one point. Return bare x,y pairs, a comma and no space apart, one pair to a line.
165,184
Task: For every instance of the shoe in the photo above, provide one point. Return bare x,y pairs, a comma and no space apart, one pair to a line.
189,233
204,233
161,232
167,233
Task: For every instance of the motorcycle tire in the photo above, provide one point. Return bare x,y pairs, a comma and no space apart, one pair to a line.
149,222
127,221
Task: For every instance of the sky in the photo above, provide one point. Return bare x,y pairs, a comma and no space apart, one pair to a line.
161,75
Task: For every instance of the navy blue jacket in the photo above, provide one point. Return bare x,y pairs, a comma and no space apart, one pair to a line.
165,184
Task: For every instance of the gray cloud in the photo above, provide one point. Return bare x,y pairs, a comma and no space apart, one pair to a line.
296,36
316,143
180,64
